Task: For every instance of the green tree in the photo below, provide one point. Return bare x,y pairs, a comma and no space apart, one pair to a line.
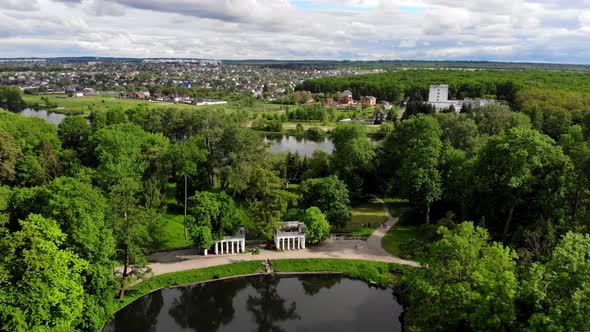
317,227
466,282
189,159
11,99
80,211
559,291
330,195
40,283
353,154
74,132
269,201
458,130
414,152
521,167
216,211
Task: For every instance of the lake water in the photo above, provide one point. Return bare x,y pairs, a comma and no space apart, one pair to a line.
55,118
263,303
305,147
284,143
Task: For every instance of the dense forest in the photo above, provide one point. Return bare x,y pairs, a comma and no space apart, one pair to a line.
82,198
498,84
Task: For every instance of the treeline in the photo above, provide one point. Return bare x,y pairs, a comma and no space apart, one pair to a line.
78,200
499,84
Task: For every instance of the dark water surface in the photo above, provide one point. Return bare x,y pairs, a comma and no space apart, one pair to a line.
303,303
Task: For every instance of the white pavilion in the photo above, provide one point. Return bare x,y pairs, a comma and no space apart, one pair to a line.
231,244
290,236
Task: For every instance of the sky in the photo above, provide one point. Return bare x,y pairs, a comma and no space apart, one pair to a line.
555,31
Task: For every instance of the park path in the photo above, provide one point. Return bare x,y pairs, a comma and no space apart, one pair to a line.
371,250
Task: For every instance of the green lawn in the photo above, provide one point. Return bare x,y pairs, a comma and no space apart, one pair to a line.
174,221
396,205
83,105
175,230
184,278
402,233
366,216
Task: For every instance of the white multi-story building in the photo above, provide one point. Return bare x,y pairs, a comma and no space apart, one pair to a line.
439,97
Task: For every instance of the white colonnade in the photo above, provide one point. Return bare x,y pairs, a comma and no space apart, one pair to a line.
290,242
230,246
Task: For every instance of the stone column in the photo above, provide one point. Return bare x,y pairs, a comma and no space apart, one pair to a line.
304,242
216,245
244,245
205,252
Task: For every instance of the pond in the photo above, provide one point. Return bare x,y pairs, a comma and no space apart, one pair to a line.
305,147
55,118
264,303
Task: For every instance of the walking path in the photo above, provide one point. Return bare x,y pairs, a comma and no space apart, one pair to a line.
371,250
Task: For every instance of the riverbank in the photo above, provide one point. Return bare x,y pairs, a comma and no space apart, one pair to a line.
381,273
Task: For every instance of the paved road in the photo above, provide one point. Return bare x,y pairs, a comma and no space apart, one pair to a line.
187,259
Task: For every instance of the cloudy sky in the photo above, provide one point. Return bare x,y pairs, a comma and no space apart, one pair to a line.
504,30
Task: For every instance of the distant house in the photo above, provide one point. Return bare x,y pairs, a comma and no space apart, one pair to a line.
345,98
89,92
370,100
379,117
329,102
143,95
306,97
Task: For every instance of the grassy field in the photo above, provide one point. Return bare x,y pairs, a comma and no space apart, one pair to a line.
84,105
366,216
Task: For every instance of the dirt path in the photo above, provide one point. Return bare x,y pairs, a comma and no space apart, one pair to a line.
371,250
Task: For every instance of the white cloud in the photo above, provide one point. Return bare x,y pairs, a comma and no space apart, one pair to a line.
536,30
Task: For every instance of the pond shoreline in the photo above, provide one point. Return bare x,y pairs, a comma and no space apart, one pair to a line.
322,269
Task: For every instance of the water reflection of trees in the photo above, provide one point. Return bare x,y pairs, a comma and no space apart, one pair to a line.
205,307
313,284
141,315
268,307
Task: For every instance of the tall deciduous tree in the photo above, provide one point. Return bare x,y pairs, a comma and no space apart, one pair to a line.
189,159
330,195
40,283
521,166
317,227
414,152
353,154
559,291
125,152
216,211
465,282
80,211
269,201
